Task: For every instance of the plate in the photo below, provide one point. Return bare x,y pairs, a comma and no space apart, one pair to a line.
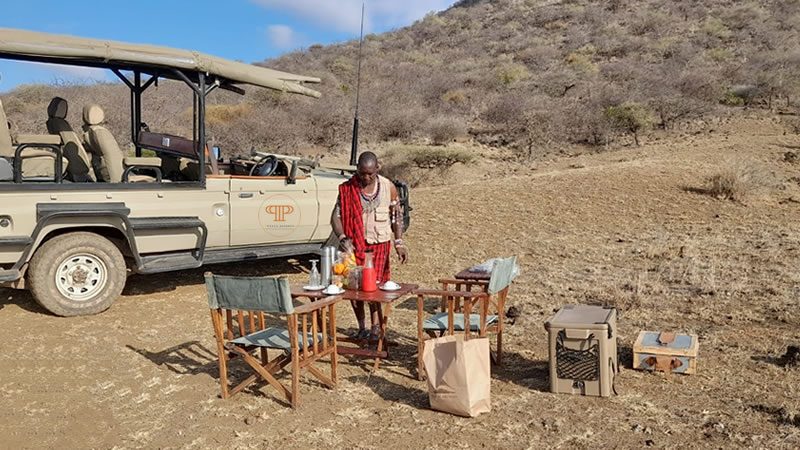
384,288
313,288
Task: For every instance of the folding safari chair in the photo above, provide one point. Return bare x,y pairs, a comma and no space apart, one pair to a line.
484,307
238,307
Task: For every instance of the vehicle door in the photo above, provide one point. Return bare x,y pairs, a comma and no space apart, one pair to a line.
271,210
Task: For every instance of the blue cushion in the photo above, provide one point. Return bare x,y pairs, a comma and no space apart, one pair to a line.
274,337
439,322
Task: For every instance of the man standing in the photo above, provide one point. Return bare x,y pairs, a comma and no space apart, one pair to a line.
366,215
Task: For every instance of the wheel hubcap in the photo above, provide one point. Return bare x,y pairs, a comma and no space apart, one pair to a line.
81,277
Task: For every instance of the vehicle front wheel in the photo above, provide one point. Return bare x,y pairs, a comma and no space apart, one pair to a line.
77,274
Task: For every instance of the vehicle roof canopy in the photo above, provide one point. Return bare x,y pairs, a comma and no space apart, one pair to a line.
70,50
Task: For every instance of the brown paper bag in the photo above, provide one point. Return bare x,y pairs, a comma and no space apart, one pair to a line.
458,374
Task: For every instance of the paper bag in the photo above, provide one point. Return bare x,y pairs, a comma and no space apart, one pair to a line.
458,375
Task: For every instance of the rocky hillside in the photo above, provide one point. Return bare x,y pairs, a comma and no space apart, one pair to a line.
532,75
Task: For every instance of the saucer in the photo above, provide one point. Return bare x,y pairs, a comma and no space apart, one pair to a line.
329,291
384,288
313,288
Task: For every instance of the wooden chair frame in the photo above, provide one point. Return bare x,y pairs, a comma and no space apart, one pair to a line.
464,296
451,304
322,317
497,302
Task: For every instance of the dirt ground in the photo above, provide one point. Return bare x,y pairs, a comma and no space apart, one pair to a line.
631,228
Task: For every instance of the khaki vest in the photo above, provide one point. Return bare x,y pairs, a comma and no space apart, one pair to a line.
378,226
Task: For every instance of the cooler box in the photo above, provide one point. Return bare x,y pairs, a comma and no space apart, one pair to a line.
583,350
666,352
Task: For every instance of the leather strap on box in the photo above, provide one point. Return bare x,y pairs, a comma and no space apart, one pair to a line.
666,337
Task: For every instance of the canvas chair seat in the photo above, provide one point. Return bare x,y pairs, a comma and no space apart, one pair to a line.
440,322
275,337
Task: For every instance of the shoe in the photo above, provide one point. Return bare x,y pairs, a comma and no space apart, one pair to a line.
374,335
360,334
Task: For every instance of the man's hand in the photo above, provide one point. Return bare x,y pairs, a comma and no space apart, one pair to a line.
402,253
346,245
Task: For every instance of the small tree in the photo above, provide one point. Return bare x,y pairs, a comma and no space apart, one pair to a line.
629,117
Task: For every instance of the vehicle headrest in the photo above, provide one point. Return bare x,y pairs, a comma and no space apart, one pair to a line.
93,115
57,108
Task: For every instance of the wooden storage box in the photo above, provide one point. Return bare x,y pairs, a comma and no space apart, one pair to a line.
666,352
583,350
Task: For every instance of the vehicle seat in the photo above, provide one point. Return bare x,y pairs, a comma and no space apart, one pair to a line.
79,166
35,163
112,160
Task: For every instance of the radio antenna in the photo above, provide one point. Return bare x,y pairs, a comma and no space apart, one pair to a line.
354,144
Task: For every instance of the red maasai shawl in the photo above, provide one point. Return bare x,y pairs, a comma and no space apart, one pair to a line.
353,225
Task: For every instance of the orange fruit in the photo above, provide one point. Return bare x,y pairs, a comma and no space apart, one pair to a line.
338,268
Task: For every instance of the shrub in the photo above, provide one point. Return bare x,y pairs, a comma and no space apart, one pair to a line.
417,165
581,62
716,28
737,181
225,114
511,73
399,123
445,129
439,158
630,117
739,95
454,96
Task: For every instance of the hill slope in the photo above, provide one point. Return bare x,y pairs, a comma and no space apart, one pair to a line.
531,75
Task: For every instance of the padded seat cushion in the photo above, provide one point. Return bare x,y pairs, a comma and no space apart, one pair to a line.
440,322
274,337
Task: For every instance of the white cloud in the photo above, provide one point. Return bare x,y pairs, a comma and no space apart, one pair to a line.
80,73
71,73
345,15
283,37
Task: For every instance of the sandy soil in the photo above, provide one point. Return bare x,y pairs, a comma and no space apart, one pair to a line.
630,228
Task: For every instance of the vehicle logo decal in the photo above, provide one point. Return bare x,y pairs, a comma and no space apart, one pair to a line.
279,215
280,211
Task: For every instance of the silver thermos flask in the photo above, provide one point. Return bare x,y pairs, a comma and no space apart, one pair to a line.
327,259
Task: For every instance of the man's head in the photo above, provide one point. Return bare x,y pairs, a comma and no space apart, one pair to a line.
367,168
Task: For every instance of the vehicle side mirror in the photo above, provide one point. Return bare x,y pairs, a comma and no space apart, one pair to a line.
292,173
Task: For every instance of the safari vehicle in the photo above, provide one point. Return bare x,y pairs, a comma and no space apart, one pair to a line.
77,214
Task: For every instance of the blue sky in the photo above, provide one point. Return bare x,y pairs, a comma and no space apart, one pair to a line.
245,30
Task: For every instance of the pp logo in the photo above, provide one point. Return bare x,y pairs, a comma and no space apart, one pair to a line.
279,215
279,212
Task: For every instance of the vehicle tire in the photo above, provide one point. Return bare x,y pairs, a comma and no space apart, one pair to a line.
77,274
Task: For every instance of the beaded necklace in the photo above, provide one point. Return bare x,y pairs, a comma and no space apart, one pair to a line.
370,202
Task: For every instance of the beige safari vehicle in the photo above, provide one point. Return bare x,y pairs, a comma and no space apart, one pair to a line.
78,214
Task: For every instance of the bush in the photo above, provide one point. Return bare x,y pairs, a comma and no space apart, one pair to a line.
739,95
417,165
511,73
454,97
400,124
737,181
445,129
438,158
581,63
225,114
629,117
716,28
